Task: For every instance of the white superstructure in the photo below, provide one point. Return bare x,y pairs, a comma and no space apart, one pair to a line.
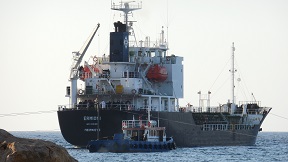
136,75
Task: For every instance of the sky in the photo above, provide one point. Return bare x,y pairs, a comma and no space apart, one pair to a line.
37,38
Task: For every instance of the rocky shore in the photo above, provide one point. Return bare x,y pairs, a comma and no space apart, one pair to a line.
14,149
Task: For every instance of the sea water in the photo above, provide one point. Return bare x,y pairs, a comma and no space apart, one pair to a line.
270,147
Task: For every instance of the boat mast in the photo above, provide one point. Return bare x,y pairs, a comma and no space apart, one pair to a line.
233,70
126,9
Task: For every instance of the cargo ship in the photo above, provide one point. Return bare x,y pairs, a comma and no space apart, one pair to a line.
140,76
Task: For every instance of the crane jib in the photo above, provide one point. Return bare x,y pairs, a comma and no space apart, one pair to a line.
82,52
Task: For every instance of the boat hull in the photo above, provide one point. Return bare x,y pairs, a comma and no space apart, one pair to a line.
78,127
127,145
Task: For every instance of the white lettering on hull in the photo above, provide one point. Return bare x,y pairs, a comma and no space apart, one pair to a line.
91,118
91,123
92,130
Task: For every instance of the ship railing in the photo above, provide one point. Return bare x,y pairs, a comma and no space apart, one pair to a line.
96,91
264,109
63,107
202,109
94,106
249,102
68,107
119,106
150,44
153,108
134,123
104,59
110,92
241,126
215,127
223,127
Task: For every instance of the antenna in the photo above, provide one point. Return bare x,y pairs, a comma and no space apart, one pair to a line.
167,26
126,8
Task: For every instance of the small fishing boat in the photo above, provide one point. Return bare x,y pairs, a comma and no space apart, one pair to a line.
138,136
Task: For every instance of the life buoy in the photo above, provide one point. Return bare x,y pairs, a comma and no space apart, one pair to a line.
95,59
80,91
133,91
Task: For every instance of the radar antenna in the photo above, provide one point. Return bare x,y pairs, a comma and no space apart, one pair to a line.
127,9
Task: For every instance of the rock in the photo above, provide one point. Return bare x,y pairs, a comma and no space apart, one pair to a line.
14,149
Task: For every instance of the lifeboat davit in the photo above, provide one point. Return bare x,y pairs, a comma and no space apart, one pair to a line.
157,73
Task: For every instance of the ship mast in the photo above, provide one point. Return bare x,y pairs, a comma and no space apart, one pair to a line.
126,9
233,70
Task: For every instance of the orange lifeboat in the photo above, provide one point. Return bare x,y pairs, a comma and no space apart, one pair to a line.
86,73
157,73
87,70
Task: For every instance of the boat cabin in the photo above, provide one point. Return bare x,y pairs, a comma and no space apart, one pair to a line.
143,130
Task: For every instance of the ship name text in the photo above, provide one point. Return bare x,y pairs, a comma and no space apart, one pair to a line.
91,118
